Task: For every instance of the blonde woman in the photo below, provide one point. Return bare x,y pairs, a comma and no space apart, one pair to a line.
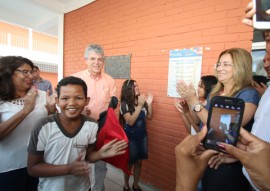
234,74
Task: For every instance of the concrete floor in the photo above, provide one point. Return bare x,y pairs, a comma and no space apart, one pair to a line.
115,181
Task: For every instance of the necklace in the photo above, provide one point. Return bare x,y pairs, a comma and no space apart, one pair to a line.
18,101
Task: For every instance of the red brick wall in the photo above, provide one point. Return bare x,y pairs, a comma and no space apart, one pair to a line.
149,30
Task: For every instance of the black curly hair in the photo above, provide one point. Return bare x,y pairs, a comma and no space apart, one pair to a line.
8,65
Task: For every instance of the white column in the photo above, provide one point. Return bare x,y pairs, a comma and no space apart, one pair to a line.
30,41
8,39
60,51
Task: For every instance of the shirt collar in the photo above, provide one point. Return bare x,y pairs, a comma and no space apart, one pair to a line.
91,76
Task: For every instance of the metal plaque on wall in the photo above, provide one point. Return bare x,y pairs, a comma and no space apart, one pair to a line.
118,66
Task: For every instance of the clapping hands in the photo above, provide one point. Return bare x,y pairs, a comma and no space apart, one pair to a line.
149,98
142,99
181,106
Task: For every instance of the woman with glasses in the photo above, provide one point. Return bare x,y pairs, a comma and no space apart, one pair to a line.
21,104
134,110
234,74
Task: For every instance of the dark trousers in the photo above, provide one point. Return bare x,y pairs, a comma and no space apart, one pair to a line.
18,180
228,177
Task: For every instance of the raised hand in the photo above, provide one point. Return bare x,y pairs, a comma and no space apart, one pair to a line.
186,91
178,106
141,100
51,102
30,99
250,11
191,161
113,148
219,159
149,99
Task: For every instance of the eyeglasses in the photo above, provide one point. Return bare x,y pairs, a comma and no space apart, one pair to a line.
223,64
26,72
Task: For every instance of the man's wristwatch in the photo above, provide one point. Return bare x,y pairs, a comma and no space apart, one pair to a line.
197,107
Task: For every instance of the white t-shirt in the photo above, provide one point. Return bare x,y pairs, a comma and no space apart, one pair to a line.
13,148
261,125
58,147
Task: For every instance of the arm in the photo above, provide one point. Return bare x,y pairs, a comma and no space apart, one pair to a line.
111,149
9,125
188,93
186,122
183,108
38,168
249,112
149,101
113,89
50,88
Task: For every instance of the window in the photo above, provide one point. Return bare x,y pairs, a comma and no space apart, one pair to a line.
258,52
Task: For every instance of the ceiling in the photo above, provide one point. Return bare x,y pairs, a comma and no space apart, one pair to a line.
40,15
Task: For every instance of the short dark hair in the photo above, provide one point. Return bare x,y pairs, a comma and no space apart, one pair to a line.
8,65
36,67
73,81
209,82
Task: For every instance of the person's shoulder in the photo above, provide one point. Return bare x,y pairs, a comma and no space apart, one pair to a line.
250,90
89,119
43,124
45,120
249,95
105,75
80,73
89,124
47,81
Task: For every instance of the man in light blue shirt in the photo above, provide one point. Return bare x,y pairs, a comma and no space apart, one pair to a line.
41,83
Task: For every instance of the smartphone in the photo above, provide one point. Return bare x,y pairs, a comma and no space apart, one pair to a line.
224,121
261,20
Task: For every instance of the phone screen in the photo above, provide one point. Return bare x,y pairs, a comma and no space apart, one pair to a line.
261,7
224,121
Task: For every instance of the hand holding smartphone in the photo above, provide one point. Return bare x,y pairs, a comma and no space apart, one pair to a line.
261,20
224,121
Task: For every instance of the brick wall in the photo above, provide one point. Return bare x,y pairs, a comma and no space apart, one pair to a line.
149,30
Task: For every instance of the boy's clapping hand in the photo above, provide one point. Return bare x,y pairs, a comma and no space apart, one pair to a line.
79,167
